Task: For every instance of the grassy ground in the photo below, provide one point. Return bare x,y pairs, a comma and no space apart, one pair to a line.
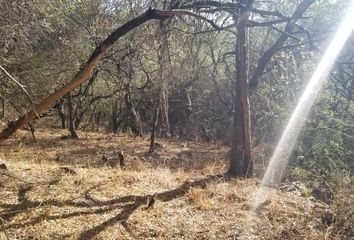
193,198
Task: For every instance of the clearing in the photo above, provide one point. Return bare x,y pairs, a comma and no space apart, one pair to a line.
64,189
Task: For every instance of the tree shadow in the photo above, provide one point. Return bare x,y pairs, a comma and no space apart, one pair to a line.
126,204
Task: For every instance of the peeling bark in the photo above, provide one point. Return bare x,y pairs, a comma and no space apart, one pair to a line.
240,156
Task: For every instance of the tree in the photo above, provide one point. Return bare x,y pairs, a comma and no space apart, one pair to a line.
240,13
71,125
241,163
240,156
164,61
85,73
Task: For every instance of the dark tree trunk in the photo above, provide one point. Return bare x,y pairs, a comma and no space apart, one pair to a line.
153,131
60,107
71,126
164,61
32,130
240,156
2,107
78,119
189,111
133,117
80,109
115,117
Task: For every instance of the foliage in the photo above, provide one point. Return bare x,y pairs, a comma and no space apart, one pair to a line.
44,44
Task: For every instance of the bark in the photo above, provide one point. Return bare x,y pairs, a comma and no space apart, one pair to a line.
153,131
189,111
134,119
85,73
32,130
240,156
2,107
165,69
71,126
115,114
59,106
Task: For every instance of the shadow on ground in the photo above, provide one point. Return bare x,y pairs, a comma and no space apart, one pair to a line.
126,206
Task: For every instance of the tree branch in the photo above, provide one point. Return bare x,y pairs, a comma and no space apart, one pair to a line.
86,71
267,55
18,84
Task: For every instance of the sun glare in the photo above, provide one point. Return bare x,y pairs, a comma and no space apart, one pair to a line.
288,139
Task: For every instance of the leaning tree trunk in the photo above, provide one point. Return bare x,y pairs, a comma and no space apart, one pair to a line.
240,156
85,73
164,61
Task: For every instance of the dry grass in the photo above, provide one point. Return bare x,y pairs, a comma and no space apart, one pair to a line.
201,198
193,199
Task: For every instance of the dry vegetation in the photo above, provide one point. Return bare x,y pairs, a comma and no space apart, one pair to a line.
39,199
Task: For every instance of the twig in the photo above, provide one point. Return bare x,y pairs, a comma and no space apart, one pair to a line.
285,33
17,83
180,13
11,176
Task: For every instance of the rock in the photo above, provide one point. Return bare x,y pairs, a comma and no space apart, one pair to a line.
3,166
159,145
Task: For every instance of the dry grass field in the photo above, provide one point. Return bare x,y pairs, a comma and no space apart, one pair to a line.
64,189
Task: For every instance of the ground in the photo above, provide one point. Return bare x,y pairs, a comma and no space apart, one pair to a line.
192,198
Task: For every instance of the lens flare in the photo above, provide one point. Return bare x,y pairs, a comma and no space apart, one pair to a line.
288,139
280,157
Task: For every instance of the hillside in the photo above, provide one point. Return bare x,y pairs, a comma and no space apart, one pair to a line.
64,189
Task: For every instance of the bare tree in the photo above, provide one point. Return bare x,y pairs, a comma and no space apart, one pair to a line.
85,73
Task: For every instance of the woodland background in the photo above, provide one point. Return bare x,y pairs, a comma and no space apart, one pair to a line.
176,77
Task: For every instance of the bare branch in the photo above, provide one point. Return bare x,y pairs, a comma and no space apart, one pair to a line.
268,23
267,55
85,72
17,83
179,13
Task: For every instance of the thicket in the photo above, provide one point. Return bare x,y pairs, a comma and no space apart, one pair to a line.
43,46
